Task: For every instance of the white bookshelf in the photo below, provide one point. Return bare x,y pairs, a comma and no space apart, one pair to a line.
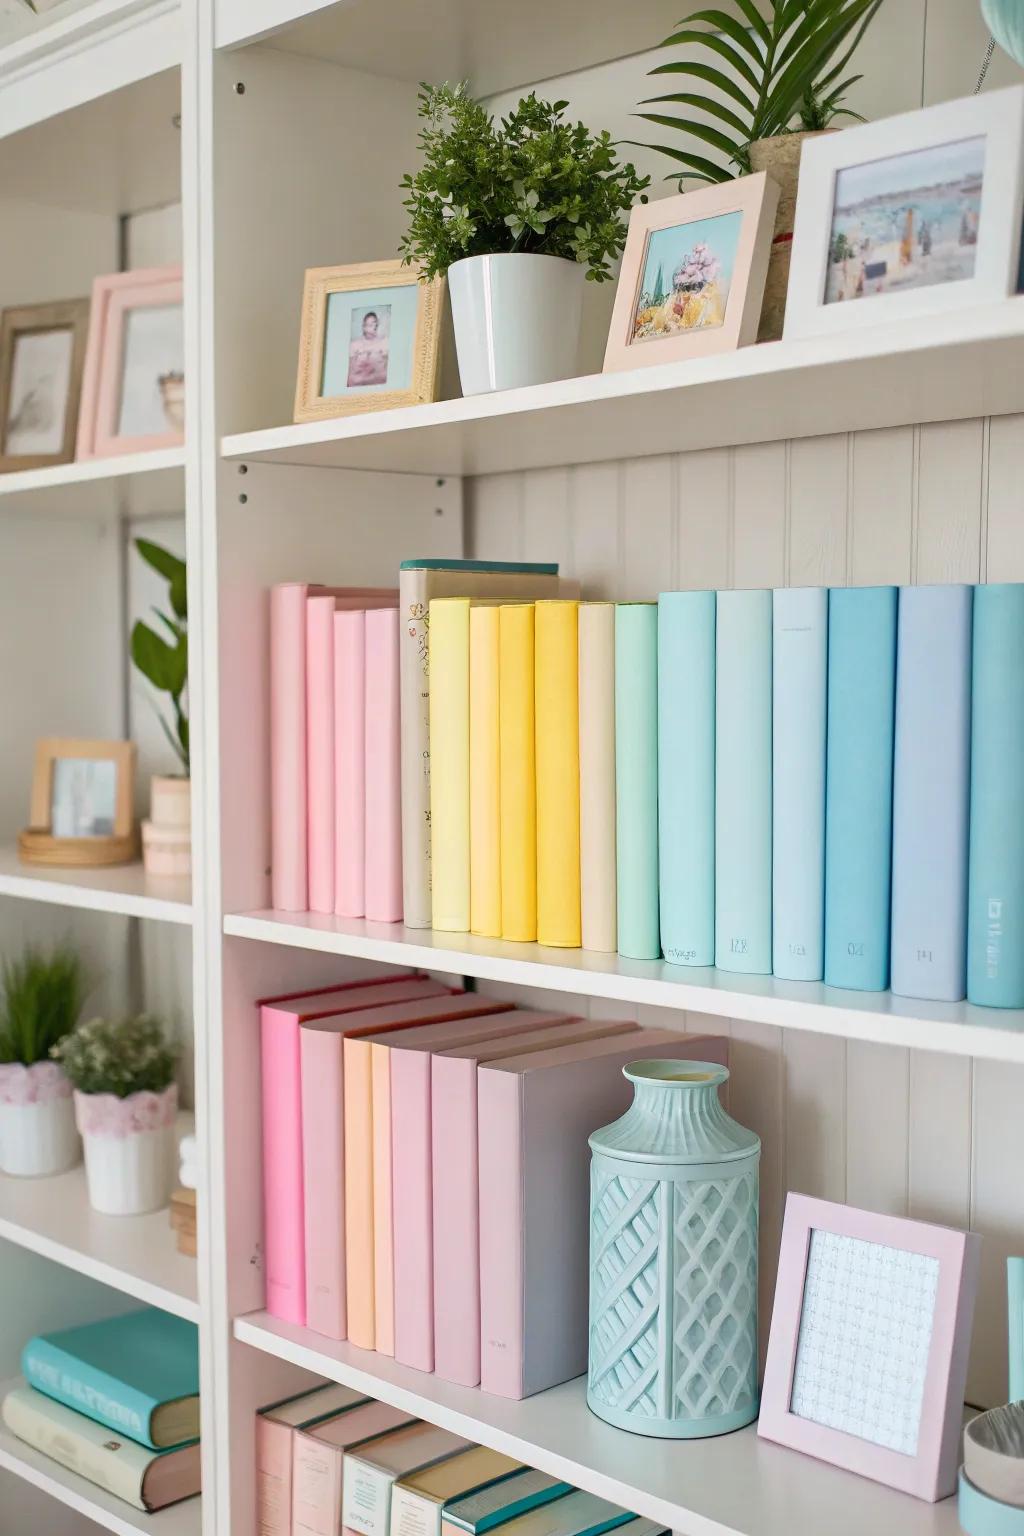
121,888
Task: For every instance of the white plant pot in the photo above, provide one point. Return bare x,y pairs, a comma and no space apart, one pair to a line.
37,1121
516,318
129,1150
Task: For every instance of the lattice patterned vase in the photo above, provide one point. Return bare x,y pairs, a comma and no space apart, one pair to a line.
673,1258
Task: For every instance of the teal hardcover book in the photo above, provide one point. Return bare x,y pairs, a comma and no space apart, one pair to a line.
995,916
502,1501
799,688
137,1373
858,785
743,782
686,775
636,779
515,567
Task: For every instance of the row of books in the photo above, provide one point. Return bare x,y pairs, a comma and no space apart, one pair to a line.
426,1169
331,1460
116,1401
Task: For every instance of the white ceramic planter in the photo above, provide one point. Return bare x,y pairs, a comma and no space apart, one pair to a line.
37,1121
167,835
516,318
129,1150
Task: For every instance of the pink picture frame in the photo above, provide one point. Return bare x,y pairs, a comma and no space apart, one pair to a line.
716,306
931,1472
113,298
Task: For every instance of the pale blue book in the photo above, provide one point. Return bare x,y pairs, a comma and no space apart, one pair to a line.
858,785
995,929
743,782
511,1496
636,779
686,775
799,693
931,793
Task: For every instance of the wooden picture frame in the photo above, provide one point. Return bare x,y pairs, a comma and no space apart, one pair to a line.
889,1262
381,371
697,315
37,320
45,843
114,298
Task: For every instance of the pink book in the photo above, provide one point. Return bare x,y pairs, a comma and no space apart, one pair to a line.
349,756
281,1094
318,1463
383,821
359,1188
384,1051
456,1190
535,1115
276,1426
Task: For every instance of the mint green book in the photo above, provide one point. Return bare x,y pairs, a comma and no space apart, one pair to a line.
138,1374
499,1502
574,1514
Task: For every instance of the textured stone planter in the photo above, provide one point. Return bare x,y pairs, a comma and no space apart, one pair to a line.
780,158
516,318
37,1121
129,1149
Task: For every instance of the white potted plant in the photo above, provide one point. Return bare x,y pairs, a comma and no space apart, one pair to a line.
162,658
41,1001
126,1103
517,214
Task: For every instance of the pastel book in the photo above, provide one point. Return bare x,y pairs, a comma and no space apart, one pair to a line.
371,1471
383,795
137,1373
281,1099
743,782
350,763
517,772
535,1113
276,1426
418,1500
402,1074
636,779
358,1137
556,706
148,1479
419,582
596,705
457,1193
686,776
484,781
321,608
995,934
289,883
318,1454
449,764
575,1514
799,694
483,1510
931,792
858,786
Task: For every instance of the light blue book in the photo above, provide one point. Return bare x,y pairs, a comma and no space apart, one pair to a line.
137,1373
575,1514
636,779
686,775
931,793
799,693
502,1501
995,927
743,782
858,785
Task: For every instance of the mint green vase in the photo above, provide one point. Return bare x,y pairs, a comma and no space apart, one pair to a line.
673,1258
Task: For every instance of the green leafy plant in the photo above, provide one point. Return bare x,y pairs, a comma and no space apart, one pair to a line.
41,998
780,74
162,661
118,1056
533,182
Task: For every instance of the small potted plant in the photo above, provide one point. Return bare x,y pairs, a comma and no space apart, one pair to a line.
775,81
126,1102
40,1002
517,214
162,658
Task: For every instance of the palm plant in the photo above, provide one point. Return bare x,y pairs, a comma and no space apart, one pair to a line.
780,67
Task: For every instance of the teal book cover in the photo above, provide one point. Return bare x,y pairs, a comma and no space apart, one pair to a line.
122,1372
686,775
499,1502
636,779
520,567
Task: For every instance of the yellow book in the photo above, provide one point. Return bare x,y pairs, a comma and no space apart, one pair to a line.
484,793
558,774
518,785
449,763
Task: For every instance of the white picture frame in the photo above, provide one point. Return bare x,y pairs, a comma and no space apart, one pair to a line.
998,118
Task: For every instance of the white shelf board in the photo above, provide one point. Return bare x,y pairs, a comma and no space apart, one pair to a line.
134,1254
108,1512
734,1485
88,471
959,1029
943,367
123,888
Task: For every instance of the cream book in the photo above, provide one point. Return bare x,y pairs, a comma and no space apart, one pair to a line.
371,1472
418,1500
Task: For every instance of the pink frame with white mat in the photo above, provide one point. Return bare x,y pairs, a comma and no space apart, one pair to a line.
113,297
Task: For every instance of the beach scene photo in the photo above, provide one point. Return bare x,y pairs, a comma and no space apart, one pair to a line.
687,273
909,221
